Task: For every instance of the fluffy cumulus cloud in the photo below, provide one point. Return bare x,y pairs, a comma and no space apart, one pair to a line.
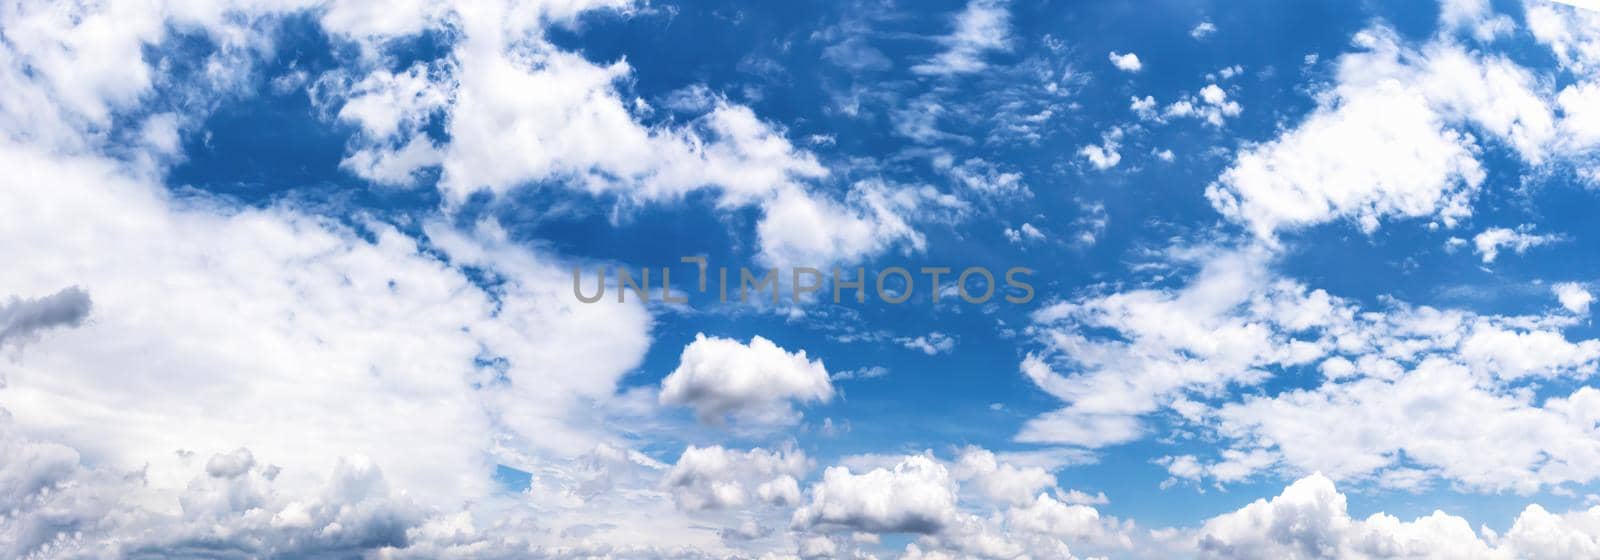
1212,106
1490,242
980,505
753,383
1000,481
1574,297
1310,519
717,478
1393,137
1024,233
916,495
1580,122
1104,155
800,230
1126,62
58,507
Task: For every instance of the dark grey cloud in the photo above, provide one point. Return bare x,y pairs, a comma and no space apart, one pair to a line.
22,318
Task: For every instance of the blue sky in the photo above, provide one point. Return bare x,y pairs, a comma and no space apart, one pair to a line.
1311,279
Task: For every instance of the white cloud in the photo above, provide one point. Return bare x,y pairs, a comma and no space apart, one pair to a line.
323,303
386,105
692,99
1126,62
1538,534
1380,153
987,178
397,167
1572,34
1489,242
932,344
1385,141
982,27
799,229
781,491
1025,232
230,465
818,547
1115,358
237,504
1050,517
1093,223
753,383
579,131
1104,156
1234,466
1310,520
1101,157
576,131
1580,112
391,111
1479,431
1076,427
1212,106
1186,467
717,478
1211,333
918,119
1202,30
1000,482
1481,439
65,73
861,373
916,495
1476,16
59,507
1144,107
1574,297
